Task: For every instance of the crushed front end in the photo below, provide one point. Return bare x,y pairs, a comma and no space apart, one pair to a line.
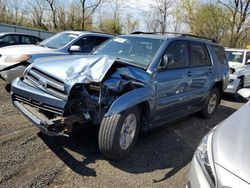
55,107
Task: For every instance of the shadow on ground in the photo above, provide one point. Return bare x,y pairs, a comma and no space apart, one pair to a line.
169,148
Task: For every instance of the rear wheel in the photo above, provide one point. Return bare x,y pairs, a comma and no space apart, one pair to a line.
211,103
118,133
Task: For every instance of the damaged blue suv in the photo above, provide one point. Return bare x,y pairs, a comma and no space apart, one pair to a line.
131,83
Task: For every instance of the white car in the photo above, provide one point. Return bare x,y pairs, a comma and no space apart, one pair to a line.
222,159
239,63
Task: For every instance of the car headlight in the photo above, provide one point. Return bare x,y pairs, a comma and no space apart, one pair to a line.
205,158
16,58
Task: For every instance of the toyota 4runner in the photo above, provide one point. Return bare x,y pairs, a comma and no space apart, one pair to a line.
131,83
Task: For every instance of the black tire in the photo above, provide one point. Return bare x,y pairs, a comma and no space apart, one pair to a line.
205,112
8,88
110,131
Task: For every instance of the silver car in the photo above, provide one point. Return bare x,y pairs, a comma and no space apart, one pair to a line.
15,59
223,157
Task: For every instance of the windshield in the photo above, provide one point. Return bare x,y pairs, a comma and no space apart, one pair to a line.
58,41
134,50
235,56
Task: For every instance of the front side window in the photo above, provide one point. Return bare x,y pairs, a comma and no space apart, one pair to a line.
199,55
87,44
138,51
58,41
235,56
178,55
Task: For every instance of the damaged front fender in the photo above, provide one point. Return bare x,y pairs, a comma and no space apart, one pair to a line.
130,99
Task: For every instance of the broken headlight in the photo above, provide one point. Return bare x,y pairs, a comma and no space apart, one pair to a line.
205,158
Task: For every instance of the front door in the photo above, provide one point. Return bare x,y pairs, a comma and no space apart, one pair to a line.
173,82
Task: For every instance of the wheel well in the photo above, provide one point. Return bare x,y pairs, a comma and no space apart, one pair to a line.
144,114
219,85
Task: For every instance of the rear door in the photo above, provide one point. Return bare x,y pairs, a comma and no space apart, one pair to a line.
173,83
201,71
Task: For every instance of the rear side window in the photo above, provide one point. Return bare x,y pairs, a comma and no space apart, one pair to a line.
178,55
220,54
199,55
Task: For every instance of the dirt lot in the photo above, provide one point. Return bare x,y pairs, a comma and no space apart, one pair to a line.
160,159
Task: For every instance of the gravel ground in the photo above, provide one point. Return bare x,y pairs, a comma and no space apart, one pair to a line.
160,158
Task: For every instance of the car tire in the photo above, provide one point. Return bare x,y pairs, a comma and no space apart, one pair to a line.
211,103
118,134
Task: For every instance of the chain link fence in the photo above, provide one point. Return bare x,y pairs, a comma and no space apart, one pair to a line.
18,29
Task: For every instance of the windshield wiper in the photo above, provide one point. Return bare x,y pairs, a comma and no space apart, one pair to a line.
125,60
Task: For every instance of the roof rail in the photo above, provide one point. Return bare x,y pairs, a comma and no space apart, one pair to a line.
175,33
102,33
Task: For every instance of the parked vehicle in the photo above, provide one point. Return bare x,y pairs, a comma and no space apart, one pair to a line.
131,83
9,39
239,62
223,159
15,59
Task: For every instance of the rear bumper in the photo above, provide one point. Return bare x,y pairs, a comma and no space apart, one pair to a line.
233,85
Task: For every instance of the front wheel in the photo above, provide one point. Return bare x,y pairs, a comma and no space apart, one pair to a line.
118,133
211,103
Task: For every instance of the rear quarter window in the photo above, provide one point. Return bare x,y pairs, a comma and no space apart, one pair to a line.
199,55
220,54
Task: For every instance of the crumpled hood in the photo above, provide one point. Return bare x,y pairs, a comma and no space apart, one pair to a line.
25,49
86,69
68,68
235,65
231,143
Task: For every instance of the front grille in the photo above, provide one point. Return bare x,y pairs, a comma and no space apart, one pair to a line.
46,82
38,105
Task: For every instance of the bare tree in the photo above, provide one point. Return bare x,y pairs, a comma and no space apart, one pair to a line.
52,8
37,10
88,11
130,24
239,19
162,8
149,20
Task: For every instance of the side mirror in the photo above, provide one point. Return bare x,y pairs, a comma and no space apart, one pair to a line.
245,93
165,61
75,48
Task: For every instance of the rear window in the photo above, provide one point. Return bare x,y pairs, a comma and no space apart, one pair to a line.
199,55
220,54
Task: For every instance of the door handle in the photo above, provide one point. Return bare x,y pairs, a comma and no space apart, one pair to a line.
189,73
210,70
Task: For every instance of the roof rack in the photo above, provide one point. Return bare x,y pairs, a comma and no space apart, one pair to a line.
100,32
175,33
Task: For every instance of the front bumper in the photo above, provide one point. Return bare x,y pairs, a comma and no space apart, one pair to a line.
196,177
28,99
233,85
43,124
